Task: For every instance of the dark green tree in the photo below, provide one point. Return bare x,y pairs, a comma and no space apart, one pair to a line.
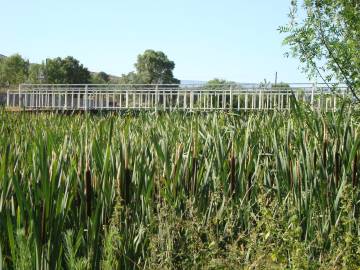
13,70
327,40
154,67
67,70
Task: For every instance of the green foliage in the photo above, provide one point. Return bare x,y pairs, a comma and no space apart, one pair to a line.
23,259
36,73
327,41
152,67
100,78
130,78
179,191
67,71
218,84
13,70
71,249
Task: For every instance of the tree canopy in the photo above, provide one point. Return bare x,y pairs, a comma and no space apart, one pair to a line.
13,70
152,67
67,70
327,40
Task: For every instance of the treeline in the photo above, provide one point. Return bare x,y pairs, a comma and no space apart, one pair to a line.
151,67
15,70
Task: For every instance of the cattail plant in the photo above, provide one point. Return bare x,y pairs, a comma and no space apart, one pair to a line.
180,190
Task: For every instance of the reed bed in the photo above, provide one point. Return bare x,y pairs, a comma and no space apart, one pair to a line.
180,191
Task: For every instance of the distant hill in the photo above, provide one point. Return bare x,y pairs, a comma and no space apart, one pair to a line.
2,56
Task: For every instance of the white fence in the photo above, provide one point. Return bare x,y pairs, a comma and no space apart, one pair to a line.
170,97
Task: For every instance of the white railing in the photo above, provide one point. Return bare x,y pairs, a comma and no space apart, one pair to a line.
86,97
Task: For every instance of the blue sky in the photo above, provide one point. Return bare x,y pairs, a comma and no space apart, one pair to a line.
231,39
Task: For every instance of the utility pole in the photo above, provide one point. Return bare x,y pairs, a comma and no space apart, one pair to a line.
275,78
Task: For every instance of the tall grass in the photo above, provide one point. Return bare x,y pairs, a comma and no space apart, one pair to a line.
165,191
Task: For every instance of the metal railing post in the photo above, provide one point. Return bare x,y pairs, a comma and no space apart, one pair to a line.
19,95
260,98
86,98
246,100
312,94
191,100
164,99
156,97
8,98
127,99
65,105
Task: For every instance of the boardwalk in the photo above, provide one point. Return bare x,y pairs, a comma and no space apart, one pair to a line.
244,97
